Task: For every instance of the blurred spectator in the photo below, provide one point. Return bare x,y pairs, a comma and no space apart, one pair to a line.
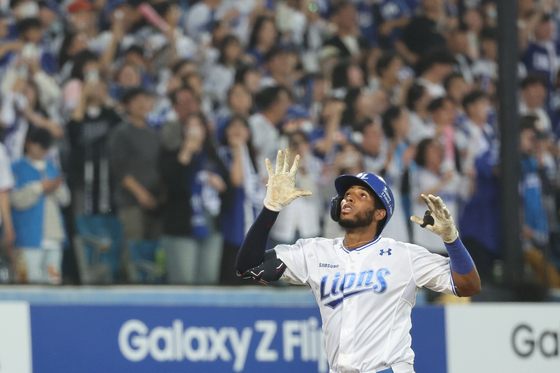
394,78
395,15
430,178
326,138
480,219
344,42
457,87
221,76
417,101
85,65
238,154
423,32
541,55
533,97
370,66
474,21
487,65
88,167
184,103
273,103
249,77
22,110
349,160
200,18
72,44
195,178
171,43
36,198
458,44
433,68
82,17
126,77
535,222
194,81
133,158
373,146
442,113
302,219
476,135
276,68
239,103
31,47
52,24
398,156
346,74
361,107
263,38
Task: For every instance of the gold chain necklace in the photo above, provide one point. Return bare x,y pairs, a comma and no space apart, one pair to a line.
356,244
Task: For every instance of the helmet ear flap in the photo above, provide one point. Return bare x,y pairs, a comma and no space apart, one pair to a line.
335,207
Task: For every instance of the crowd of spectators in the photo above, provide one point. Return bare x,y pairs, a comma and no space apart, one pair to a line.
163,112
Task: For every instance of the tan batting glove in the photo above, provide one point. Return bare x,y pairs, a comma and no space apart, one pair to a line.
443,226
280,190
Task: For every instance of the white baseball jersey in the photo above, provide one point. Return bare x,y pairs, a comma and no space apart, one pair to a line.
366,296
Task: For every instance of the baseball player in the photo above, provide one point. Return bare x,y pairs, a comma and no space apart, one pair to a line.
365,284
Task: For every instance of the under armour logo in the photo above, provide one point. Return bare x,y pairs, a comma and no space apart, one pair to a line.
383,252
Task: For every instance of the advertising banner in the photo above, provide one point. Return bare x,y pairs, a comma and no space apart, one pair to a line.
92,339
15,338
490,338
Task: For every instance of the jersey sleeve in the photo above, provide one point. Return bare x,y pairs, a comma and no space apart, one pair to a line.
295,260
430,270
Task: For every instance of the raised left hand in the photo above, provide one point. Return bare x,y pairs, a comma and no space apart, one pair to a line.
444,225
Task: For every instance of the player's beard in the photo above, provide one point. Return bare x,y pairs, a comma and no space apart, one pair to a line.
363,219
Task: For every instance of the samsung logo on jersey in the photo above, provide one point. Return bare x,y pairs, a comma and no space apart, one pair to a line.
352,284
327,265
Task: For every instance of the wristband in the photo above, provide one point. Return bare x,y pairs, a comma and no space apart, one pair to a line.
461,260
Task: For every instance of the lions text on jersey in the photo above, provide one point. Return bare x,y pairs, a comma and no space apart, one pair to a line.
366,296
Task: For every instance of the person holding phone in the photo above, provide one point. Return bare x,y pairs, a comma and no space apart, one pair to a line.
196,182
37,197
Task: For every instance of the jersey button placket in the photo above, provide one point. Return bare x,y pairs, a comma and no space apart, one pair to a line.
348,323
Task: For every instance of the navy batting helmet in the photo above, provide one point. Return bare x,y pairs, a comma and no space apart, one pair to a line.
369,180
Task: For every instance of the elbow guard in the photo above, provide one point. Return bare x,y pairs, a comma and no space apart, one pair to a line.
270,270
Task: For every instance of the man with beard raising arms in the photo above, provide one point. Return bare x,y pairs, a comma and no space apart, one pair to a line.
365,284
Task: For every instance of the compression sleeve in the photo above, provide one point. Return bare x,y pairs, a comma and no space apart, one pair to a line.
251,253
461,260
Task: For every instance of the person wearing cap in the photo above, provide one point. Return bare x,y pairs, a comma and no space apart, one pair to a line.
82,17
365,284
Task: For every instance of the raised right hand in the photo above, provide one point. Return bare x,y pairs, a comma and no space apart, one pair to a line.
280,189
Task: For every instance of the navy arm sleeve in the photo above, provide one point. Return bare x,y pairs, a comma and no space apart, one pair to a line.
251,253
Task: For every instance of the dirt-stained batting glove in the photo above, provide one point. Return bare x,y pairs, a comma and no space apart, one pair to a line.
443,224
280,190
